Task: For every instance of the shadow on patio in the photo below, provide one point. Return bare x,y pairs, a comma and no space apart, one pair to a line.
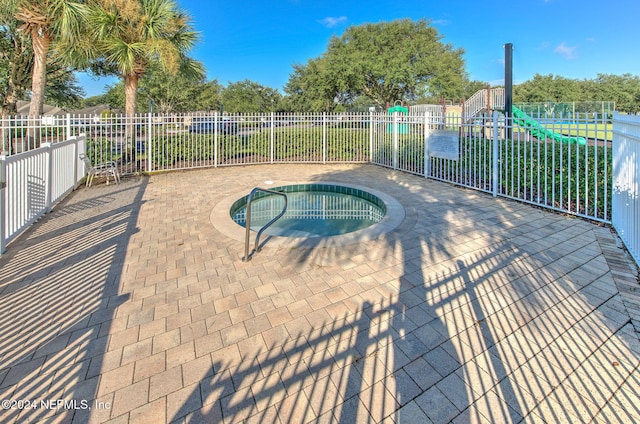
58,300
473,310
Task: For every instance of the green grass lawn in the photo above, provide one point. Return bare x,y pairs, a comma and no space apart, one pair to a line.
589,131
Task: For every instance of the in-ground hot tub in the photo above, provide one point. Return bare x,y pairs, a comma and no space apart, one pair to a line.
307,234
313,210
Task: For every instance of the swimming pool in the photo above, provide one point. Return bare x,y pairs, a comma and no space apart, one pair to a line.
314,210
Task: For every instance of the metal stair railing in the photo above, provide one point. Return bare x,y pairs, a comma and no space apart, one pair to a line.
484,100
476,103
256,249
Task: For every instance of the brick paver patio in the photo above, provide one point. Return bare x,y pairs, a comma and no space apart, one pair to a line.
130,303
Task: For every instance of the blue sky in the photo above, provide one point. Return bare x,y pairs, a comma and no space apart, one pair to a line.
261,40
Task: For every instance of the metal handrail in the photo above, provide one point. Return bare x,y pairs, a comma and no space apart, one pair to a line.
247,220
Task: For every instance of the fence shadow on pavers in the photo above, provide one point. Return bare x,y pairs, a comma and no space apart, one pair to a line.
434,324
58,297
306,377
472,310
404,352
36,195
500,311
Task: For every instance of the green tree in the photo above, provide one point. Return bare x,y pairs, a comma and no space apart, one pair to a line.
386,62
61,88
169,93
472,87
310,88
209,97
130,35
114,96
623,89
250,97
543,88
92,101
16,63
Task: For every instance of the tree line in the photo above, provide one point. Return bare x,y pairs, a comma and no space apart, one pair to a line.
168,95
624,90
146,43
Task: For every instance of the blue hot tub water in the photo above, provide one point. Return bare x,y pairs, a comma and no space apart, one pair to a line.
314,210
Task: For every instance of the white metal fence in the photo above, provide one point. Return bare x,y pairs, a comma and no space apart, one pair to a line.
33,181
565,166
626,181
560,165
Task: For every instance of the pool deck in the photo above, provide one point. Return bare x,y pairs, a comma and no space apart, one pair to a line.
133,301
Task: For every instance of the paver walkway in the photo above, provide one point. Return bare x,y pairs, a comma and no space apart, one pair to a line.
127,304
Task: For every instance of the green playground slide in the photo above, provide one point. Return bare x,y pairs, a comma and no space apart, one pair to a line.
537,130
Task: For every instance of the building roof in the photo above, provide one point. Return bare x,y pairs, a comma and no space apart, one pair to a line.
22,108
48,110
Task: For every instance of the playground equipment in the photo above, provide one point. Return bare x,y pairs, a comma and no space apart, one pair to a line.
402,111
539,131
489,99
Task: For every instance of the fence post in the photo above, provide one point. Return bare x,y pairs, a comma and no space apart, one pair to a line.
76,153
272,136
81,147
149,140
396,142
215,137
371,124
215,147
4,136
3,196
324,137
48,184
495,161
427,158
68,135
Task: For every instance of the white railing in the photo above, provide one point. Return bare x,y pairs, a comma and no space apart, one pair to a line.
422,109
23,133
565,167
476,103
560,165
33,181
183,141
485,100
626,181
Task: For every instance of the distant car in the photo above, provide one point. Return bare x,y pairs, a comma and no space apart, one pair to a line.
207,125
273,123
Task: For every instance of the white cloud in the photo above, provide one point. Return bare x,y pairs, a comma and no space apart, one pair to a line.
568,52
331,21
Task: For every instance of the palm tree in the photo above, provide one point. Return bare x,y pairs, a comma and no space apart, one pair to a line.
129,35
47,22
